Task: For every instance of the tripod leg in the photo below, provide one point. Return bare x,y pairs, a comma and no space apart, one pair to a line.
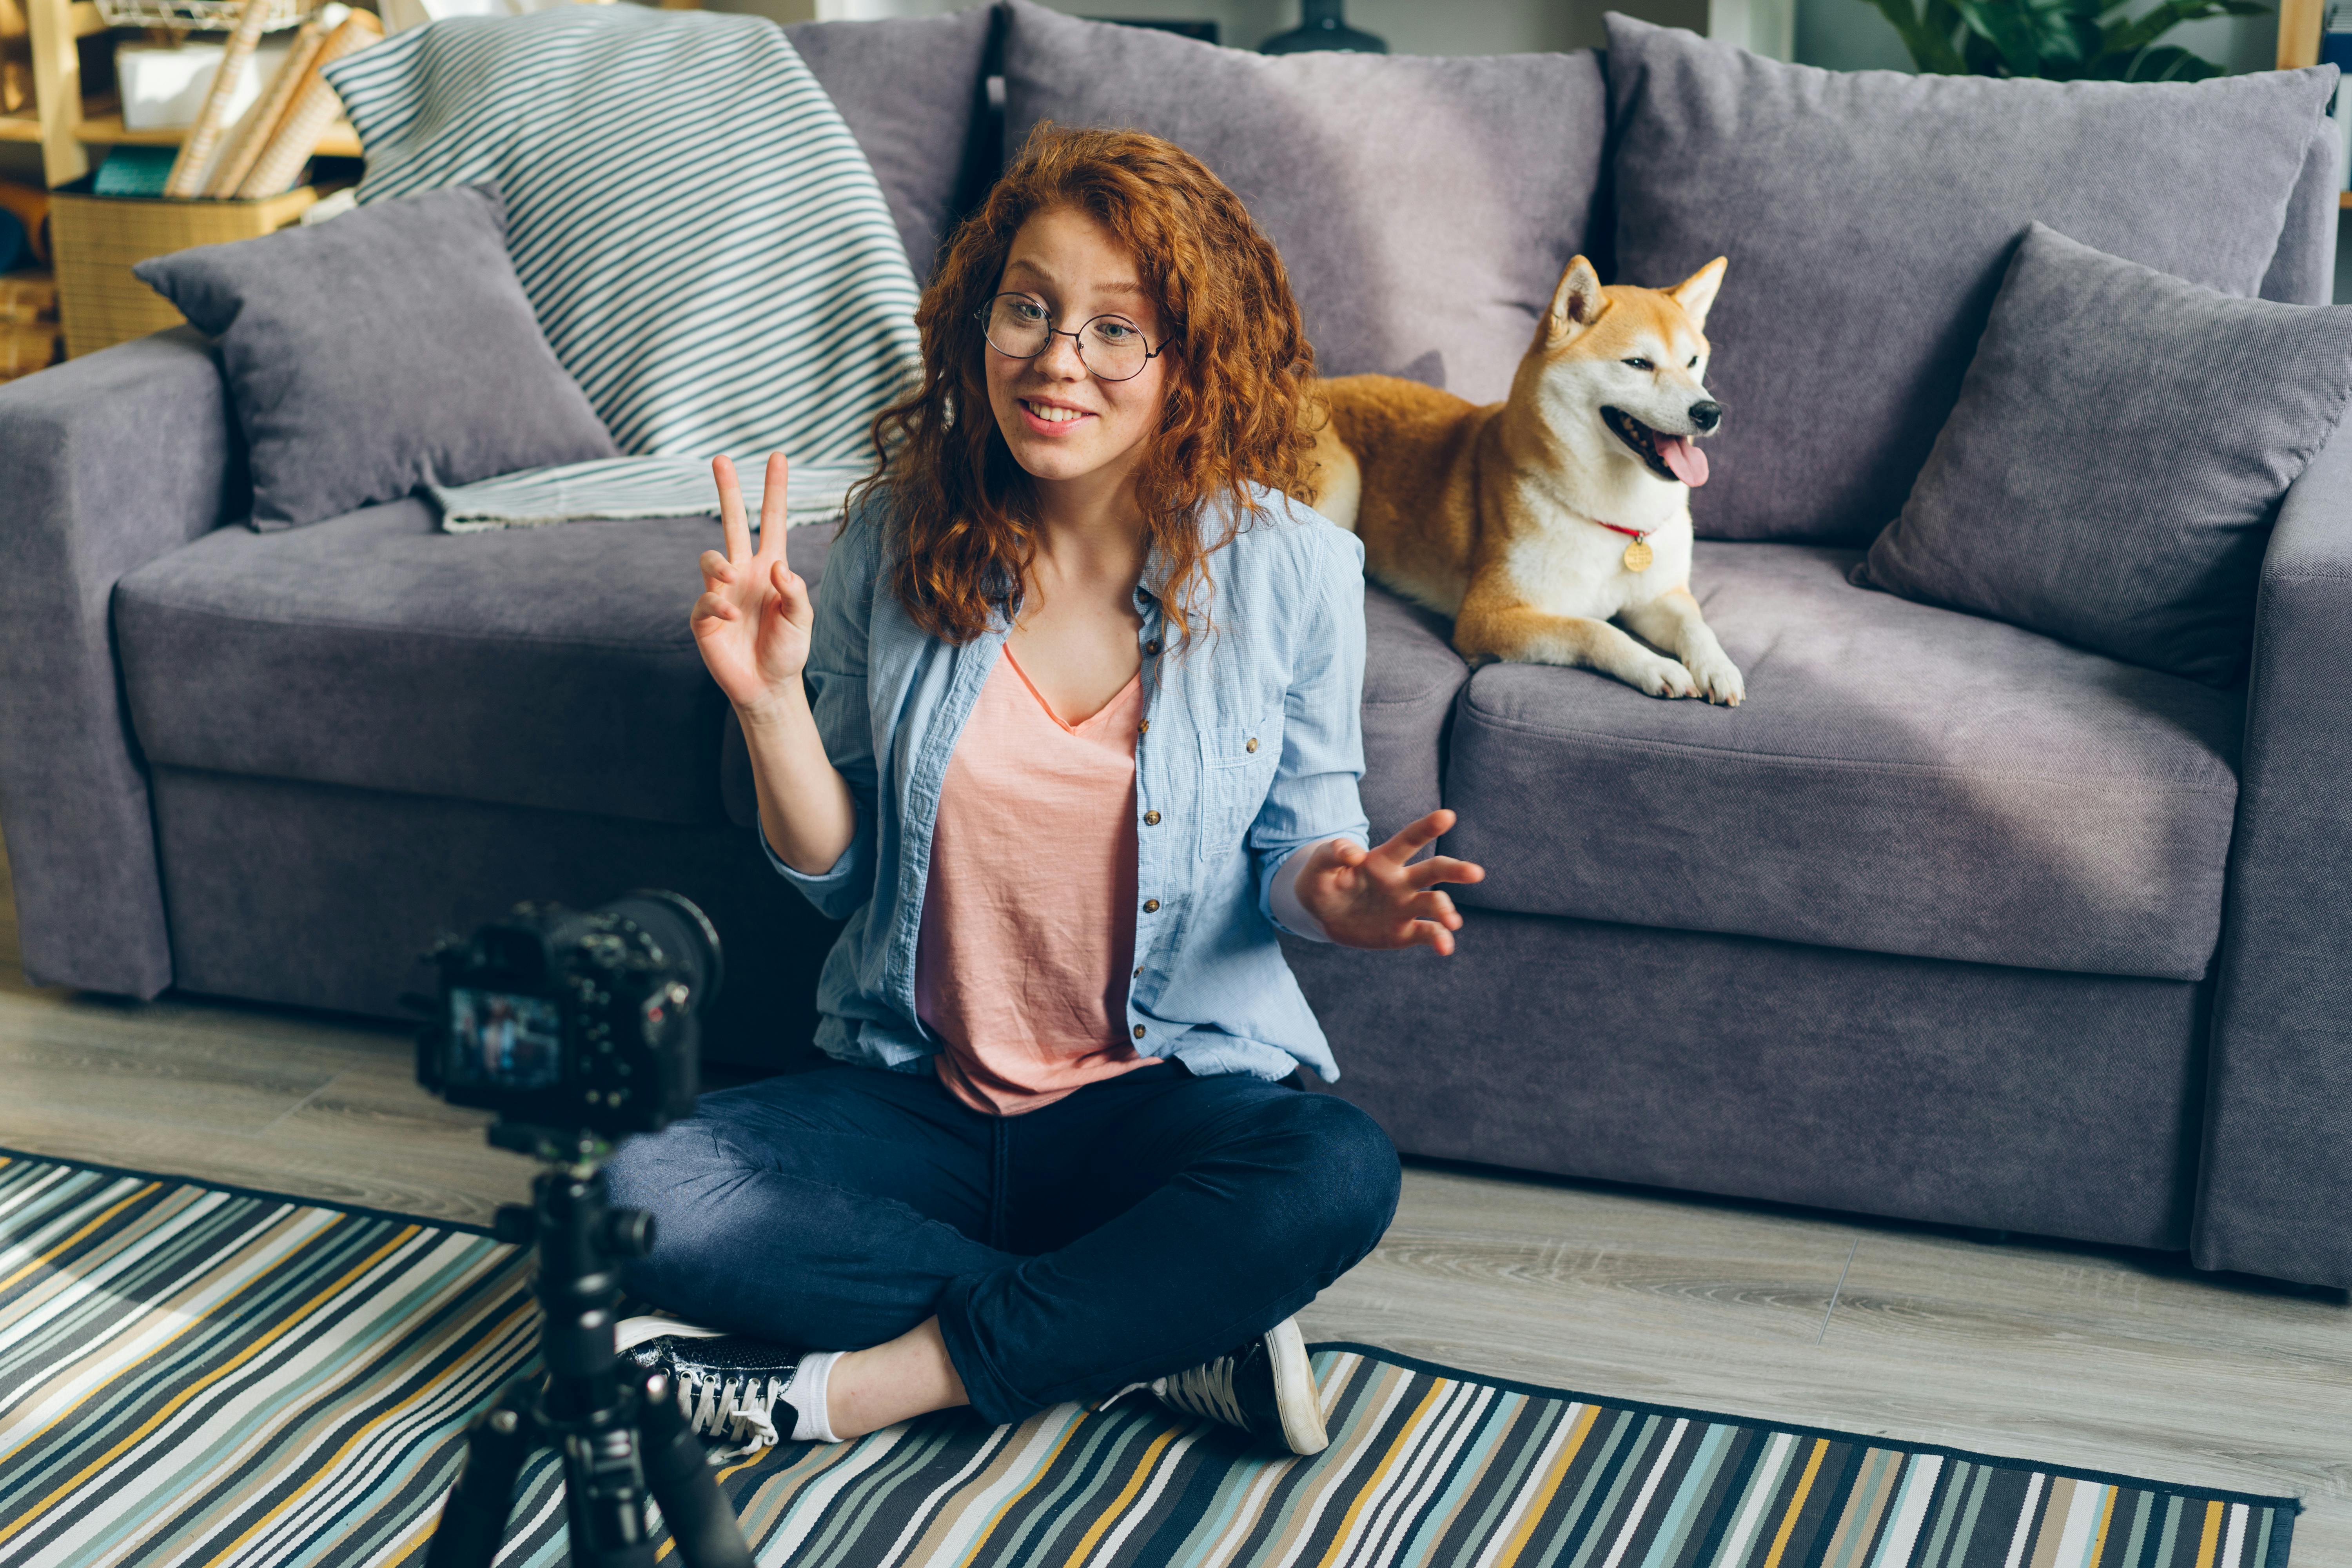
705,1529
473,1518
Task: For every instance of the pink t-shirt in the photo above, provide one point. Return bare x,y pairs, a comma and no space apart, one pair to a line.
1029,913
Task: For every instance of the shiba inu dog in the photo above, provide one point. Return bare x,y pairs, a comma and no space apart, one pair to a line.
1539,522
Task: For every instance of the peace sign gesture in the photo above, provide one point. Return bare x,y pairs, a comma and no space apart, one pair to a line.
1371,898
752,621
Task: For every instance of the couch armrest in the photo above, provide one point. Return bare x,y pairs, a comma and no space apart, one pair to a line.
109,461
2275,1192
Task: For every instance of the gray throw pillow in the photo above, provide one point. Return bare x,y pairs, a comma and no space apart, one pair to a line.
1868,216
1424,207
378,351
2118,456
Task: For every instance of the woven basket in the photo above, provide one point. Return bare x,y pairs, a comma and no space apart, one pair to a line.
96,239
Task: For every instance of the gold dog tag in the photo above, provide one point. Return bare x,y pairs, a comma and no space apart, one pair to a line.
1638,556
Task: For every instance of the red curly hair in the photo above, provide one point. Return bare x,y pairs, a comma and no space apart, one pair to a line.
966,527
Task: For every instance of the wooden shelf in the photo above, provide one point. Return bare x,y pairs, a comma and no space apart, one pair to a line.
19,128
82,18
108,130
2345,200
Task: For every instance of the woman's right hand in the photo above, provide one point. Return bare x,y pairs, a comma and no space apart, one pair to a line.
752,621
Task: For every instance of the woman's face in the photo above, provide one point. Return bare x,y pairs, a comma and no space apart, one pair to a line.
1066,425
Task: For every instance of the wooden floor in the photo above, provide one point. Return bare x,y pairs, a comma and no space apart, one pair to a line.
2080,1356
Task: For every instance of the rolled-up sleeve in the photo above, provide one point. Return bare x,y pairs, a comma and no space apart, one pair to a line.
1315,792
836,680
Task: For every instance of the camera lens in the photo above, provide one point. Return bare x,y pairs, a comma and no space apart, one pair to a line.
685,934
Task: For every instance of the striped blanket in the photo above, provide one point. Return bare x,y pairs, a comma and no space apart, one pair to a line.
614,488
706,246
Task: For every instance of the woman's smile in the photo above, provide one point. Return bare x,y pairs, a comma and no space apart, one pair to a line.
1051,419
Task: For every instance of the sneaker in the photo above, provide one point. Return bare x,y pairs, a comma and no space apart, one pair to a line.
730,1387
1266,1388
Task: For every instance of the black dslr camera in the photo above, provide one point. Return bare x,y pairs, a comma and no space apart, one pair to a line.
578,1028
571,1021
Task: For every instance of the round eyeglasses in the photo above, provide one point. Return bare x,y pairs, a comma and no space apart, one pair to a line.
1111,347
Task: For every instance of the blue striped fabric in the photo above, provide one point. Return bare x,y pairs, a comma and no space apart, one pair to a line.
706,246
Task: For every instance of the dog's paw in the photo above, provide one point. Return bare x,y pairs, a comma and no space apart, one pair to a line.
1718,680
1661,678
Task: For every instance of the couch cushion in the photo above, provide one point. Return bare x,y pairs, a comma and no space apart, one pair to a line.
446,319
912,89
545,666
1868,216
1411,677
1425,207
1901,779
2115,487
2303,269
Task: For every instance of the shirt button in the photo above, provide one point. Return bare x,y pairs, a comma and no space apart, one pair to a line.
1139,971
1150,819
1151,906
1253,744
1144,727
1151,646
1139,1031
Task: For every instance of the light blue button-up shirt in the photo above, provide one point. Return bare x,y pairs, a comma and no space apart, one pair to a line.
1251,750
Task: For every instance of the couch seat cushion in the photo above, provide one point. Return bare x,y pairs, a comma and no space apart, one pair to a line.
1901,779
545,666
1411,677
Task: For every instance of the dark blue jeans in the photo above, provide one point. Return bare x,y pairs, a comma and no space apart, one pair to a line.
1136,1227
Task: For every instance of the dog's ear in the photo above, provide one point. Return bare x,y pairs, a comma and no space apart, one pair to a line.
1696,294
1577,303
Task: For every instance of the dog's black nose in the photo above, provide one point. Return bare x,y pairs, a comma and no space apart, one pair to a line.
1707,414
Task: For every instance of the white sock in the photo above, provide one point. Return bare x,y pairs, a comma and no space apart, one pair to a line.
807,1396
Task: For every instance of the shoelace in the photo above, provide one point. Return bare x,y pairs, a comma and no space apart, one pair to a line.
1205,1390
736,1409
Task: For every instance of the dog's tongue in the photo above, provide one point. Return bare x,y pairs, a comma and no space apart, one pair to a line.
1683,456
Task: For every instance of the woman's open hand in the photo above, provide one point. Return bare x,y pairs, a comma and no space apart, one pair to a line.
1371,897
752,621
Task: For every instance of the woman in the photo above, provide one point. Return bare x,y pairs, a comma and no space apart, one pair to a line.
1068,732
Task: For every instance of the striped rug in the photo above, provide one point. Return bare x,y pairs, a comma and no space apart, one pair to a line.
193,1374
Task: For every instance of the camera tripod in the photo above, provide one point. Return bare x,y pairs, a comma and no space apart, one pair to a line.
618,1429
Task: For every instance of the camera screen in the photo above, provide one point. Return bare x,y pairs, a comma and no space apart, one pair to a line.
504,1040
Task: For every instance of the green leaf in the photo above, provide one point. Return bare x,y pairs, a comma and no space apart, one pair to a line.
1941,18
2058,39
1982,57
2170,64
2136,34
2038,37
2004,23
1931,49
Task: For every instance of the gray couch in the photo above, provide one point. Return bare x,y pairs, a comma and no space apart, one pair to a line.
1950,921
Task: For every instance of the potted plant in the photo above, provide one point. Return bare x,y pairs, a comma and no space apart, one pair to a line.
2062,40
